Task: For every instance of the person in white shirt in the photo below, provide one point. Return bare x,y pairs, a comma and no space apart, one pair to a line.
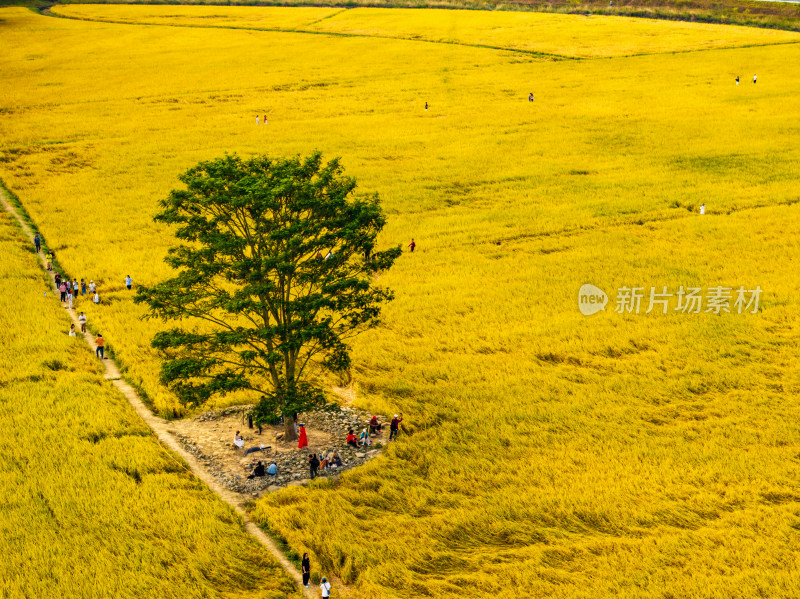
82,320
72,330
325,587
128,282
92,287
702,208
755,78
237,440
69,300
96,298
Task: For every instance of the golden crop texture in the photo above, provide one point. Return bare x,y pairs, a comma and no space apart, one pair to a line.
92,504
547,453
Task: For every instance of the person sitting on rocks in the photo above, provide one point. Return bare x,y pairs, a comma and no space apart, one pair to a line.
352,440
364,439
335,460
273,469
374,425
258,471
238,441
324,460
256,448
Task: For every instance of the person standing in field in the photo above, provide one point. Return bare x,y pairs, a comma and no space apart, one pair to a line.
96,298
37,242
325,587
83,287
265,119
92,287
394,427
412,245
72,330
702,209
755,78
128,282
737,79
530,97
426,106
101,346
306,567
82,321
257,122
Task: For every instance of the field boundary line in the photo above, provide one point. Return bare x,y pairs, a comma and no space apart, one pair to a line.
531,53
160,428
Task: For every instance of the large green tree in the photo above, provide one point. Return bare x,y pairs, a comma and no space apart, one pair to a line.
277,260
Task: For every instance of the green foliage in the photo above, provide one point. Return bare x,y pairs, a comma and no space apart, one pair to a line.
276,258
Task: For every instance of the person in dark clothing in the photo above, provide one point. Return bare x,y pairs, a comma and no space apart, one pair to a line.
313,463
394,427
374,425
412,245
38,243
258,471
306,570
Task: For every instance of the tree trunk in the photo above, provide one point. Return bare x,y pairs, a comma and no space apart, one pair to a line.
289,432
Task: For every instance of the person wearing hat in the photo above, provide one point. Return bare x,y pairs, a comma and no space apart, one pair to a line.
325,587
394,427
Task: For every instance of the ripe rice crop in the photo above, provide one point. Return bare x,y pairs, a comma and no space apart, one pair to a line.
546,452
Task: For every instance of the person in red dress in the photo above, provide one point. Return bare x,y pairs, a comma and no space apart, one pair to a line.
303,440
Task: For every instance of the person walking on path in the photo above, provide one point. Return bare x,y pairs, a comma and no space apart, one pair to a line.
394,427
49,260
57,279
313,464
412,245
37,242
82,321
75,288
69,299
302,438
63,290
325,587
306,567
128,282
101,346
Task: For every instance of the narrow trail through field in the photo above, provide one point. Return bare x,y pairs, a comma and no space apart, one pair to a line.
161,429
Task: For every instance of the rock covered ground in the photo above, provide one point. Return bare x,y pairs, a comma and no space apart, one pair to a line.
209,437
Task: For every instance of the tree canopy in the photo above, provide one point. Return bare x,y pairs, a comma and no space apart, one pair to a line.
274,275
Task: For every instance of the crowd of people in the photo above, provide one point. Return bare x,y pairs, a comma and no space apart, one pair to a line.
71,290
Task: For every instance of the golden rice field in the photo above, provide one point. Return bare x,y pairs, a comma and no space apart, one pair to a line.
548,453
92,505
